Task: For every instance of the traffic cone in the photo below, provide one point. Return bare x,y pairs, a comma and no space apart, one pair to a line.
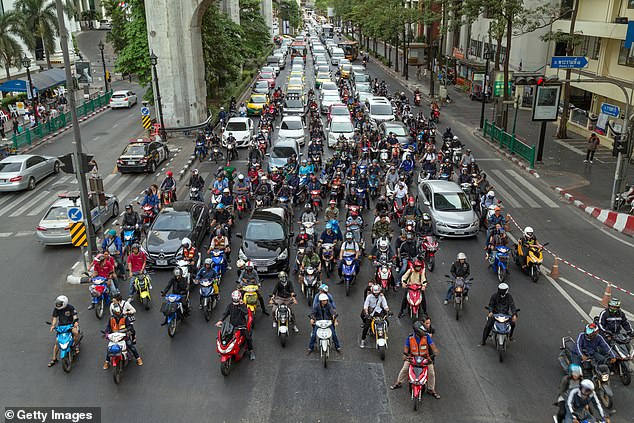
507,225
607,295
554,272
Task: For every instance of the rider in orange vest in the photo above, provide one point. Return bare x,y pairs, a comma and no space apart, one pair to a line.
120,323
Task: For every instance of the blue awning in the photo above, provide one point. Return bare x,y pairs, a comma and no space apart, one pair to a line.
41,81
13,85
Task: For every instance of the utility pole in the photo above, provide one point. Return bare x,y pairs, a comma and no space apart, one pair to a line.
487,57
562,129
79,171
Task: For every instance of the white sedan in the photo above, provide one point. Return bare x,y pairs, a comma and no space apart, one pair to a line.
125,99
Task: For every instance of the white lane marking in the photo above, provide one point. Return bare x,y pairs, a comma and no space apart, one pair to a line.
506,197
28,205
567,296
5,234
120,181
23,233
622,241
129,189
569,147
40,207
25,197
533,189
502,177
108,179
75,265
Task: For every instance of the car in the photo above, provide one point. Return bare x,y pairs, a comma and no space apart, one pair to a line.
282,150
54,227
142,155
293,105
358,68
344,61
360,77
255,104
345,70
379,109
362,86
339,109
122,99
105,24
322,68
451,211
269,77
261,86
296,74
330,87
398,128
266,240
339,125
296,67
336,54
318,48
274,62
321,78
298,61
24,171
183,219
242,129
292,127
363,96
327,100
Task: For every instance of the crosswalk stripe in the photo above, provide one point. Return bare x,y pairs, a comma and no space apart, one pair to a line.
108,179
123,194
25,197
532,189
117,184
522,194
28,205
40,207
506,197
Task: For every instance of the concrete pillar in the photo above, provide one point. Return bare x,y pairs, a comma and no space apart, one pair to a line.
232,9
266,6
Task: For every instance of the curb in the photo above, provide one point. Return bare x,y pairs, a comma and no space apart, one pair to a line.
186,167
620,222
506,154
62,130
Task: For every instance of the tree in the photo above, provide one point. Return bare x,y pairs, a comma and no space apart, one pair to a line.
255,33
134,57
39,18
118,19
289,11
10,49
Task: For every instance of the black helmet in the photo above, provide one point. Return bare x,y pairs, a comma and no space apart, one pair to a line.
419,329
128,207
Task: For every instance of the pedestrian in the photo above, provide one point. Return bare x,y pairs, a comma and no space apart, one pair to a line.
16,126
3,135
593,144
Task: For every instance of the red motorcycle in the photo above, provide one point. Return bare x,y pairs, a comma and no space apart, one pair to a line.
435,115
383,274
167,197
414,300
262,145
231,344
430,246
398,210
240,205
148,215
417,378
396,153
315,201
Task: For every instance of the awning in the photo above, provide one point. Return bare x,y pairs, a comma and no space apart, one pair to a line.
41,81
13,85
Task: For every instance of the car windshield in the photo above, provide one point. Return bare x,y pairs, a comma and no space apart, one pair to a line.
294,103
10,166
398,130
451,201
262,84
282,151
258,100
291,125
135,150
57,213
346,68
267,75
339,111
361,78
323,75
381,109
362,86
295,81
173,221
236,126
260,230
342,126
331,99
329,86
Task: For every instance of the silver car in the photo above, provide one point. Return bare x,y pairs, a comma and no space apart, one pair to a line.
25,170
54,228
450,209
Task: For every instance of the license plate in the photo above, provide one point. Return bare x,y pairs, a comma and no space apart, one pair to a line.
131,163
161,262
262,269
459,233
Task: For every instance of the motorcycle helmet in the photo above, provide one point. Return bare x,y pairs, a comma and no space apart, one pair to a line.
307,206
240,177
575,370
503,289
186,242
462,256
218,232
426,217
411,201
455,138
136,246
236,296
195,172
240,264
310,270
226,191
249,265
220,206
128,207
61,302
100,257
112,232
586,387
592,330
349,236
528,231
169,173
383,244
283,276
309,251
497,208
409,236
323,287
376,290
322,297
614,306
333,202
418,263
209,261
115,309
328,225
418,327
178,272
491,194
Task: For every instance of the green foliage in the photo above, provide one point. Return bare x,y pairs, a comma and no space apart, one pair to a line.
38,21
289,11
134,57
10,49
323,5
117,16
9,99
255,33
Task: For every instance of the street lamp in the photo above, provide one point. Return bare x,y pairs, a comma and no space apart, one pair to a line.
103,61
153,62
487,57
26,62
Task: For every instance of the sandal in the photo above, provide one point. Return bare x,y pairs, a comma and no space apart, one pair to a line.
434,394
396,386
52,363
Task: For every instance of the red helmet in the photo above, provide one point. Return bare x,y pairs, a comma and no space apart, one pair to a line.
418,263
169,173
411,200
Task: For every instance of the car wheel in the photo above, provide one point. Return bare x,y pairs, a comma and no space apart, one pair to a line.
152,167
115,210
56,168
31,184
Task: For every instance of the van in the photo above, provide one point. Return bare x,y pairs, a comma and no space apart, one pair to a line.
379,109
336,54
339,125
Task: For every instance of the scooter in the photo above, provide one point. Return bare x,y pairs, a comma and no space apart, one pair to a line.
417,99
459,294
499,262
501,333
231,344
250,298
309,227
310,284
324,335
373,183
68,350
414,300
283,318
142,286
195,194
315,201
118,354
149,213
219,264
240,205
208,296
100,295
417,378
378,327
348,272
200,151
216,154
383,274
534,260
129,238
430,246
173,311
620,344
327,257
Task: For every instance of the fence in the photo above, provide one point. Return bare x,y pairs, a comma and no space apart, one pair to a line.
510,142
52,125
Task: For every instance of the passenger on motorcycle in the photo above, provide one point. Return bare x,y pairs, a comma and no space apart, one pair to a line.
283,293
613,319
306,169
136,262
332,212
220,243
323,289
169,184
64,314
464,177
242,111
525,242
238,315
242,188
590,345
131,218
151,199
196,181
179,286
220,183
496,239
415,276
459,269
249,276
567,383
375,304
222,218
105,268
407,249
382,228
308,215
500,303
349,248
119,322
112,244
579,403
323,311
419,343
374,169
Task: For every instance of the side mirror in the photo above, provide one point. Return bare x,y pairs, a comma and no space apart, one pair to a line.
268,154
427,203
446,276
239,235
473,203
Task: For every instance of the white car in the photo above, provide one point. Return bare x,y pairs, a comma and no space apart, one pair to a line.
242,130
292,127
339,125
125,99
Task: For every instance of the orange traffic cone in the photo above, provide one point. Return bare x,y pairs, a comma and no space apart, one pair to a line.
554,272
607,295
507,225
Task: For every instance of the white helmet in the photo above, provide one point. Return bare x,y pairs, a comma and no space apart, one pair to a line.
383,243
240,263
209,261
490,194
455,138
462,256
587,384
376,289
236,296
528,231
61,302
186,241
226,191
115,308
323,297
240,177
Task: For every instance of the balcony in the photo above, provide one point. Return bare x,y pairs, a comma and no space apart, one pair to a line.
594,28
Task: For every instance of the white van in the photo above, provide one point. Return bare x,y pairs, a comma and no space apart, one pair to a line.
379,109
339,125
336,54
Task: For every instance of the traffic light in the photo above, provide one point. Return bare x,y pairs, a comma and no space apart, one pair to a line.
619,146
532,78
547,80
67,162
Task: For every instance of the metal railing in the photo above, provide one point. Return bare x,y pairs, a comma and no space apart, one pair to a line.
29,135
510,143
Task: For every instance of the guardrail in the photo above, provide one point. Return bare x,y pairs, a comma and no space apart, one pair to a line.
510,142
54,124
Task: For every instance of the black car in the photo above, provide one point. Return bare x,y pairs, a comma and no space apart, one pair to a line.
142,155
398,128
266,240
185,219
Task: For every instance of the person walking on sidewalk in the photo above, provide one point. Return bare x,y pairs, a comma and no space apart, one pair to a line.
16,126
593,144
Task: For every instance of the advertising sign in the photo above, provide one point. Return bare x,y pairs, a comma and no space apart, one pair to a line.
546,105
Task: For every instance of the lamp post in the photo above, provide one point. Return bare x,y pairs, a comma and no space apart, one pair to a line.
153,62
26,62
487,57
103,61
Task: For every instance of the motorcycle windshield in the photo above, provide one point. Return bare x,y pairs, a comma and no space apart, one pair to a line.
226,332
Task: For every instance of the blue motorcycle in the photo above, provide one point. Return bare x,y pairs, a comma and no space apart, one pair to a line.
129,238
374,185
219,263
68,350
100,295
200,152
173,311
209,295
348,272
499,263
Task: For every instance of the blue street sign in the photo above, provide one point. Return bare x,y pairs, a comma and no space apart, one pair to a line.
568,62
145,111
629,35
610,109
74,214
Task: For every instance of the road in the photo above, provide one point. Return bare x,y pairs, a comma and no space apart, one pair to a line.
180,379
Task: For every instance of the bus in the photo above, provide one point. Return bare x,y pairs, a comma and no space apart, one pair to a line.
350,49
328,31
298,49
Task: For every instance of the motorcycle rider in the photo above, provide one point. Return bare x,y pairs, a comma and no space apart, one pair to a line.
242,188
283,293
391,179
249,276
613,319
231,140
382,228
151,199
426,229
168,185
328,236
222,219
568,381
332,212
264,190
464,177
196,181
308,215
137,260
179,286
419,343
221,242
310,259
131,218
579,403
415,276
323,289
323,311
467,158
222,116
113,245
220,183
226,198
349,247
488,200
190,253
119,322
238,314
206,272
411,209
406,250
592,346
459,269
103,268
496,239
375,304
64,314
525,242
382,206
500,303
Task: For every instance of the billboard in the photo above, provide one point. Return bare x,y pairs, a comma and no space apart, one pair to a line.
83,72
546,104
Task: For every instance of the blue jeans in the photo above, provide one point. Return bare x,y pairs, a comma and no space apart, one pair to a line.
449,295
131,290
313,338
402,271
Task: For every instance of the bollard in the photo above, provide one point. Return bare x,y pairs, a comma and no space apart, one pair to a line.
554,272
607,295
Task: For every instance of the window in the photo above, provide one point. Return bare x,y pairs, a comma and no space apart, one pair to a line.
10,166
57,213
475,49
589,46
626,56
449,201
173,222
134,150
291,125
630,4
34,161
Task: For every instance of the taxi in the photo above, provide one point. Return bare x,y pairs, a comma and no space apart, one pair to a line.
321,78
345,70
255,104
295,84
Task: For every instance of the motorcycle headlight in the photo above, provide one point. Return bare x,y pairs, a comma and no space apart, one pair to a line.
605,377
283,255
242,256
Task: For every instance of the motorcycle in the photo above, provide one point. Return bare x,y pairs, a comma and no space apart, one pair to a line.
68,350
501,333
315,201
324,334
435,116
374,185
200,151
283,318
129,238
459,294
149,213
167,197
172,309
216,154
534,259
456,155
417,99
499,262
417,378
219,264
348,272
118,354
378,327
398,210
626,197
383,274
414,300
231,344
142,288
100,295
327,257
250,298
241,205
208,295
195,194
309,228
185,269
310,284
232,153
430,246
620,344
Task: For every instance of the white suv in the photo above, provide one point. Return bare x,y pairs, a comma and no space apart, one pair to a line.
242,130
292,127
379,109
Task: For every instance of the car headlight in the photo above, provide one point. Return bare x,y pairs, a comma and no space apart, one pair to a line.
283,255
440,223
242,256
